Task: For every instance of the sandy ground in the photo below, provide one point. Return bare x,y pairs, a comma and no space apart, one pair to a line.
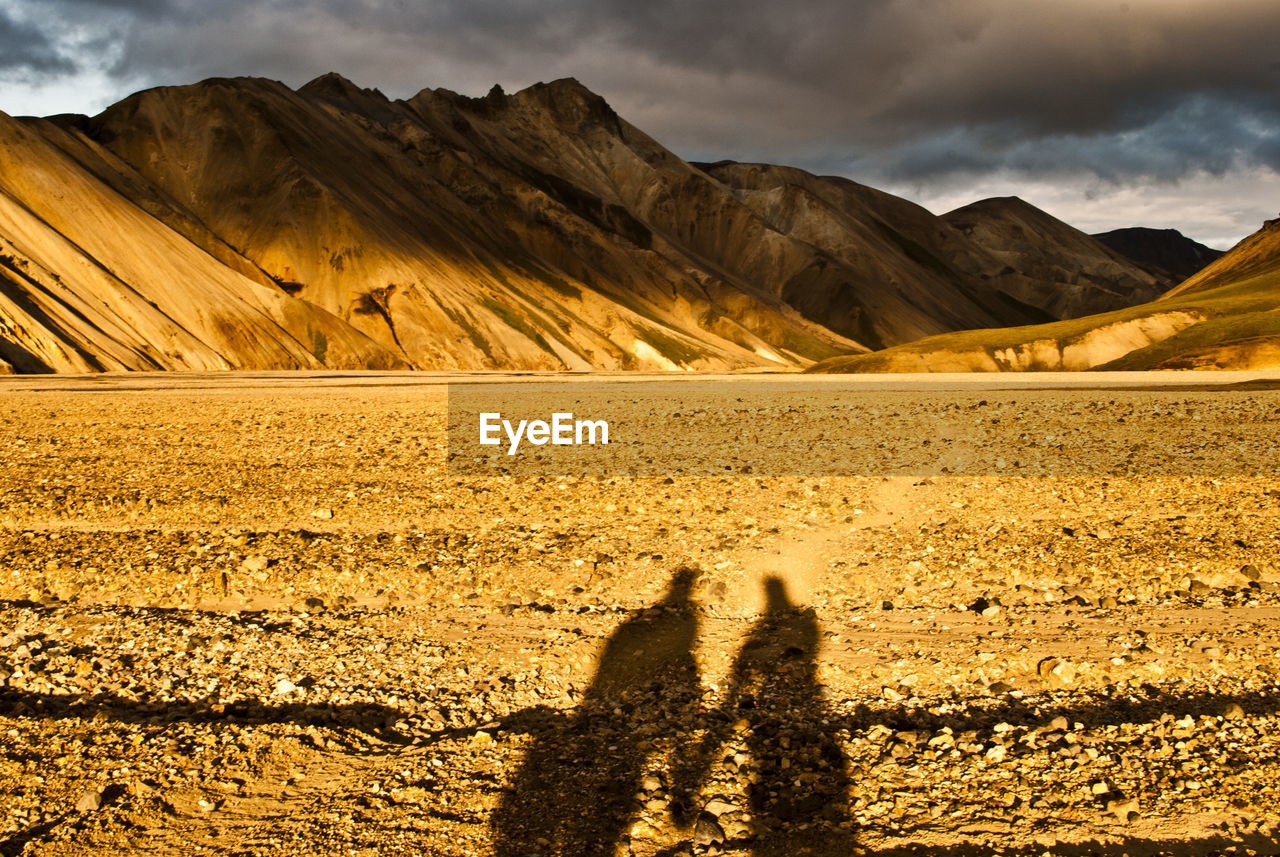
253,614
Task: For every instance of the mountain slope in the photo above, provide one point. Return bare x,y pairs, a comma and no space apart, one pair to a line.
1165,249
1225,317
90,281
1065,271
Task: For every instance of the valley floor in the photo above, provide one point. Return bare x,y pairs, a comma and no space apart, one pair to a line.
253,614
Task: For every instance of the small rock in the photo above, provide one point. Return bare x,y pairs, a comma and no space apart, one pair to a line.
717,807
90,801
715,592
651,782
1251,572
1124,809
1199,588
707,830
986,608
322,514
314,604
886,605
1233,712
284,686
1108,602
1056,672
254,563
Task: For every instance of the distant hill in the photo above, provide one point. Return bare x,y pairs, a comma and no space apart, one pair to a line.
1166,249
1225,317
238,223
1063,270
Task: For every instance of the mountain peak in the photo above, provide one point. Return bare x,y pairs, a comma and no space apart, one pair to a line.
1000,203
329,82
565,84
569,100
333,87
1008,209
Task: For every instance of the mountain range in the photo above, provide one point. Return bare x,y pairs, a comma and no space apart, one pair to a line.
1225,316
241,224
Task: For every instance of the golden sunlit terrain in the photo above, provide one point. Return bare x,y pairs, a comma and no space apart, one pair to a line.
253,614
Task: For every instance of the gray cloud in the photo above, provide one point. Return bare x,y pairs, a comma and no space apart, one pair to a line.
908,91
25,50
1194,133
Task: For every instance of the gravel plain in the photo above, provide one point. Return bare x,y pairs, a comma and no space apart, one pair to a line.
254,614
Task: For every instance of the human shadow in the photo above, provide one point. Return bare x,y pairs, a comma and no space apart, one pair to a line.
575,791
796,773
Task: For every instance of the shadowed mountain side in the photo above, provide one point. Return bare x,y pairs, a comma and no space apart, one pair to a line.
903,271
1166,249
1225,317
236,223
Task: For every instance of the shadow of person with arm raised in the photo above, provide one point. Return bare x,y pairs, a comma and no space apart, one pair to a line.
796,774
574,793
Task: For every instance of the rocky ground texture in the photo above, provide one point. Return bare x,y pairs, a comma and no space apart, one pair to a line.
257,616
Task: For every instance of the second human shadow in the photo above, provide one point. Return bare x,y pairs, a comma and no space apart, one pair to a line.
795,773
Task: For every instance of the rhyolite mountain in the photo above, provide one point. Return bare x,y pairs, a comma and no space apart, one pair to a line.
1165,249
1226,316
240,224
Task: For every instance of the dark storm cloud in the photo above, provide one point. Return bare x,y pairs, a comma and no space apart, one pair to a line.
25,50
1213,135
898,88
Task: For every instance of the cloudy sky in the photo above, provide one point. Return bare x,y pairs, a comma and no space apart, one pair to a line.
1105,113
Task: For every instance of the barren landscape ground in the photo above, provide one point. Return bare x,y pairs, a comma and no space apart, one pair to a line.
254,614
